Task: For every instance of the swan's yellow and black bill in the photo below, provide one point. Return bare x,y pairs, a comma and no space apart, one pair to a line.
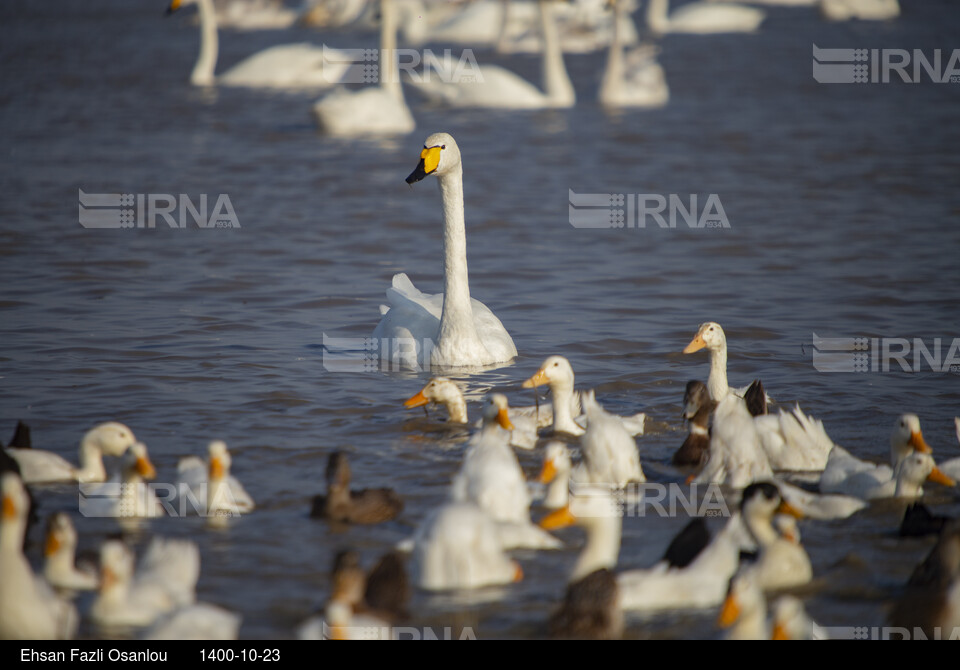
416,401
429,160
174,6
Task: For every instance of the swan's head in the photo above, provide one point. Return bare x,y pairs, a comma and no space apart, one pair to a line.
761,501
695,398
15,503
744,597
111,438
556,461
61,535
440,155
219,459
496,409
556,370
907,438
710,335
116,564
438,390
137,462
916,469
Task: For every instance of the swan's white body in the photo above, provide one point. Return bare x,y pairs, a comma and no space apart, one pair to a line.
449,329
736,456
286,66
864,10
610,454
256,15
41,467
200,621
635,79
59,552
494,86
209,487
458,546
376,110
703,18
29,608
136,499
166,579
491,478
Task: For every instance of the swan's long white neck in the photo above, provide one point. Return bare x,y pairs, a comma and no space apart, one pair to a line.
602,548
202,74
613,74
717,382
501,45
561,391
91,462
389,65
657,16
556,82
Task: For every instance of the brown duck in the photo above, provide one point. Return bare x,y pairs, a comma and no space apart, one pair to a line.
346,506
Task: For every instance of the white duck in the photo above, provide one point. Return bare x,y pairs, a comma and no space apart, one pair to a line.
375,110
287,66
59,551
610,454
458,546
634,79
493,86
703,18
29,608
40,467
781,562
209,487
450,329
744,610
555,473
557,373
446,392
711,336
791,622
166,579
736,455
794,441
906,482
864,10
845,472
134,498
491,478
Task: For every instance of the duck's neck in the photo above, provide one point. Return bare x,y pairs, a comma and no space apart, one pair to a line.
60,562
218,494
457,409
700,423
11,536
91,462
556,82
613,75
657,19
389,65
760,529
561,392
558,490
717,382
458,331
907,486
202,74
602,548
752,624
898,452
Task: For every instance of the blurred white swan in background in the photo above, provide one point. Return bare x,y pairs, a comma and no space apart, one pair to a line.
39,467
864,10
633,79
703,18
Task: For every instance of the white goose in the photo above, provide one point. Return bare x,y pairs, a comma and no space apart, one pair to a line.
40,467
491,478
209,486
635,79
557,373
29,608
59,551
845,472
458,546
450,329
703,18
136,499
493,86
375,110
445,392
287,66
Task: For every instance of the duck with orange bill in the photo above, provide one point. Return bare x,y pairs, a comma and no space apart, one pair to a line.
59,550
41,467
210,486
711,336
131,497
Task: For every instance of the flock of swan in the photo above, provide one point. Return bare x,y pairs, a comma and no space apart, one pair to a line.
632,77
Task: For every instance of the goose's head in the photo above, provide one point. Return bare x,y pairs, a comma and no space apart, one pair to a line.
61,535
556,462
15,503
695,398
907,438
116,565
137,462
555,371
440,155
219,460
496,409
438,390
916,469
710,335
111,438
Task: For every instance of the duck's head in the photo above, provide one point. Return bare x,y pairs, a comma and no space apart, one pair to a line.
116,564
219,460
496,409
907,438
137,462
438,390
695,397
15,503
555,370
440,155
111,438
556,462
760,502
916,469
710,335
60,534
